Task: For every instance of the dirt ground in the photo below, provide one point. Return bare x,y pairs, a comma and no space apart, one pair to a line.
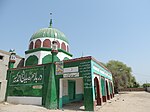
128,102
123,102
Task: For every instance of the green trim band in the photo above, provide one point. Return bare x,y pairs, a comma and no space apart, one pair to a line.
61,50
65,99
46,49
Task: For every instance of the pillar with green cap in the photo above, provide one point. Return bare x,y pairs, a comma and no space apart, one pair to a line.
12,58
51,95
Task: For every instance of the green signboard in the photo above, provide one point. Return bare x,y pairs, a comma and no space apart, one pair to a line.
85,71
27,76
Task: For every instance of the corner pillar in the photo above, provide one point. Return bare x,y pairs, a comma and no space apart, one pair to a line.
51,96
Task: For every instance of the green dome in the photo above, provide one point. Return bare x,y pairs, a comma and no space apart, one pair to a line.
50,33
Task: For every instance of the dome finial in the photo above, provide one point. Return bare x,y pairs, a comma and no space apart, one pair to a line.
50,24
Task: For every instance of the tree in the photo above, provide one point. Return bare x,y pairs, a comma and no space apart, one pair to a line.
146,85
121,74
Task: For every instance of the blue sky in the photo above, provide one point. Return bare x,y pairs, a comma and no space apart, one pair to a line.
106,29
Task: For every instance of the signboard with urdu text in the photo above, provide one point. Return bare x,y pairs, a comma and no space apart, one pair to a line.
27,76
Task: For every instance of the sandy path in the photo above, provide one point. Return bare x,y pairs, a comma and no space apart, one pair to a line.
128,102
124,102
23,108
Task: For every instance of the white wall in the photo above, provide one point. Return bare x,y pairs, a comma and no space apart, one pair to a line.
79,86
64,86
41,54
51,39
3,71
3,89
148,89
25,100
4,64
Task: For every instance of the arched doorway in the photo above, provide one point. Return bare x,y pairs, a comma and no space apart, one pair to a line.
107,91
103,89
112,90
97,91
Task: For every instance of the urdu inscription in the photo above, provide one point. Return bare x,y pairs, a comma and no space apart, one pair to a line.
85,70
27,76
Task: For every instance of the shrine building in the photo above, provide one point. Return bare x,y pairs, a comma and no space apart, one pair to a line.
51,77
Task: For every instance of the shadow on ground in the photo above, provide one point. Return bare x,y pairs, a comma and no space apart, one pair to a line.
75,106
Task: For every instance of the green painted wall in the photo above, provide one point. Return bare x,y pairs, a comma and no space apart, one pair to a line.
71,89
45,84
25,81
35,91
110,88
27,76
48,59
66,58
103,87
57,89
34,81
92,74
65,99
101,68
51,94
31,60
86,73
11,65
30,87
47,49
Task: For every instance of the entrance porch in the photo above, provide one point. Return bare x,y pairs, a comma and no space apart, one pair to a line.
70,90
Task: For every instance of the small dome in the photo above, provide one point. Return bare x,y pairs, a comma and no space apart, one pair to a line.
50,33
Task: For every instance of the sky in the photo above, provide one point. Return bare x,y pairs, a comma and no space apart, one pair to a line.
105,29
